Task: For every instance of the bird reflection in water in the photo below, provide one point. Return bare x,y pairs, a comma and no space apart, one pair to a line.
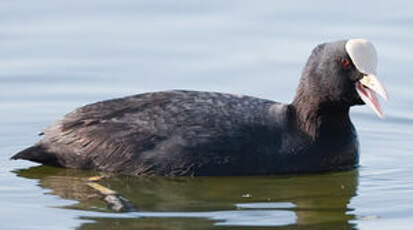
291,202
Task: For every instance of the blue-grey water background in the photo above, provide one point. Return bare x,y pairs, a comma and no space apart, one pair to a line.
58,55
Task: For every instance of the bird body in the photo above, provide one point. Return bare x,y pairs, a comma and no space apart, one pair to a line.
191,133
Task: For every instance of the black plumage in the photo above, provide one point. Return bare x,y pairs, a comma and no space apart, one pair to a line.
205,133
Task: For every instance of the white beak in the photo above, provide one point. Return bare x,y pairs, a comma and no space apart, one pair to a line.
364,57
367,88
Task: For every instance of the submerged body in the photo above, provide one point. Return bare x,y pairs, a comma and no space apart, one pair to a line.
203,133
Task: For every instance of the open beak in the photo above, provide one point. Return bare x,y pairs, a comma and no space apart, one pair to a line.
367,88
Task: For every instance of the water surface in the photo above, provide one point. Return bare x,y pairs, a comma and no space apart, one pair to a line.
58,55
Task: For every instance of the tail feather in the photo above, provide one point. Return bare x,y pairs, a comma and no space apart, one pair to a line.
38,154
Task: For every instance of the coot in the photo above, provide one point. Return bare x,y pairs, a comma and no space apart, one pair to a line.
194,133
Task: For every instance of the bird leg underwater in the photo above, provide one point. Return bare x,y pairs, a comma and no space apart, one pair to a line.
113,199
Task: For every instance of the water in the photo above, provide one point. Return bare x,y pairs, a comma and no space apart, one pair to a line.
58,55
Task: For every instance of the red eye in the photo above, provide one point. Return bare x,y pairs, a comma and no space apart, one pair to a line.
345,63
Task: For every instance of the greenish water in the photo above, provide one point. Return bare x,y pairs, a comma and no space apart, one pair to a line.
206,202
58,55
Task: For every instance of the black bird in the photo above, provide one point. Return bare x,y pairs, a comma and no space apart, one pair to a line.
205,133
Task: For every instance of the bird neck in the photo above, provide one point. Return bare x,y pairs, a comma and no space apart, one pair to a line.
317,117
